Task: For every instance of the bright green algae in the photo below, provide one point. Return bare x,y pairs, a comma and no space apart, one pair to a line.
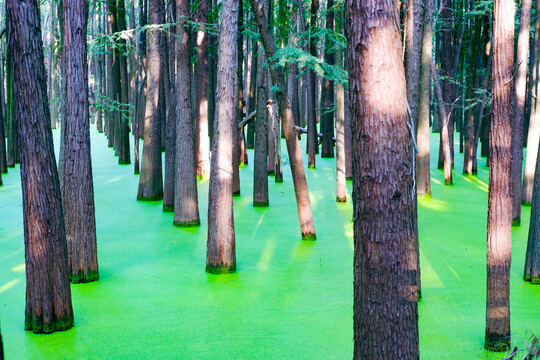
289,299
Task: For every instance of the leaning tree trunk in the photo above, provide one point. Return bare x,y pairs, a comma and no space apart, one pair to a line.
78,187
532,258
151,178
519,108
423,178
186,204
285,112
221,248
48,295
385,298
499,222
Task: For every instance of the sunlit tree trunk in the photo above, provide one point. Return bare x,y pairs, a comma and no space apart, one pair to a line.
48,294
221,248
499,222
385,297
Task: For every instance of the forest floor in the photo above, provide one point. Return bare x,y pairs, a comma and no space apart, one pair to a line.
289,299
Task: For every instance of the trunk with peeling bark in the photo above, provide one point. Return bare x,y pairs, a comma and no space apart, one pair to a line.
385,273
151,178
48,294
499,221
186,203
221,248
77,186
293,147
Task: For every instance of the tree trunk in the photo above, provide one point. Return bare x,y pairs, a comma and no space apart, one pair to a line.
239,97
499,222
123,90
443,115
414,28
138,125
312,145
3,159
327,125
186,204
12,123
519,108
423,178
202,141
260,177
273,121
341,188
221,248
385,297
48,295
532,258
151,178
77,187
293,147
253,93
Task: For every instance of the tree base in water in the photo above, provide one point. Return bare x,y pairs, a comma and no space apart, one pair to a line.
80,277
168,208
193,223
261,204
220,269
497,342
36,325
309,236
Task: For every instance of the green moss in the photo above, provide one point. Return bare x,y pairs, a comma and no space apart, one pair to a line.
242,164
81,277
183,224
261,203
157,197
271,173
236,193
424,196
124,162
310,166
516,221
497,342
279,179
341,199
37,326
221,269
309,236
328,156
168,208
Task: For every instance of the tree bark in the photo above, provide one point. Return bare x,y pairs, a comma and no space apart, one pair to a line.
312,145
328,111
186,204
151,178
78,187
48,295
499,222
221,248
260,177
202,141
519,108
293,147
532,258
423,178
414,28
385,297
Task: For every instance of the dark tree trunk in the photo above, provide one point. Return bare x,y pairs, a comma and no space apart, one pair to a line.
122,84
221,248
77,187
499,222
260,177
186,204
414,29
327,150
12,122
348,139
48,295
253,93
532,258
293,147
3,159
312,145
151,178
519,108
138,124
239,97
111,113
385,297
423,178
201,70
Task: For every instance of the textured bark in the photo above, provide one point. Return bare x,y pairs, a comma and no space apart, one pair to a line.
239,94
285,112
423,178
443,115
499,222
385,308
151,178
414,28
260,177
327,125
273,122
201,69
519,108
12,122
348,139
533,136
341,188
111,114
3,158
312,145
186,204
532,258
77,187
221,248
48,295
253,90
138,125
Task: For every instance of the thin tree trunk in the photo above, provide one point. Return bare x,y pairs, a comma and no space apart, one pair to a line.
532,258
253,93
385,297
123,94
499,222
341,188
312,146
221,248
444,116
260,177
48,295
186,204
151,178
423,178
239,97
293,147
328,111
